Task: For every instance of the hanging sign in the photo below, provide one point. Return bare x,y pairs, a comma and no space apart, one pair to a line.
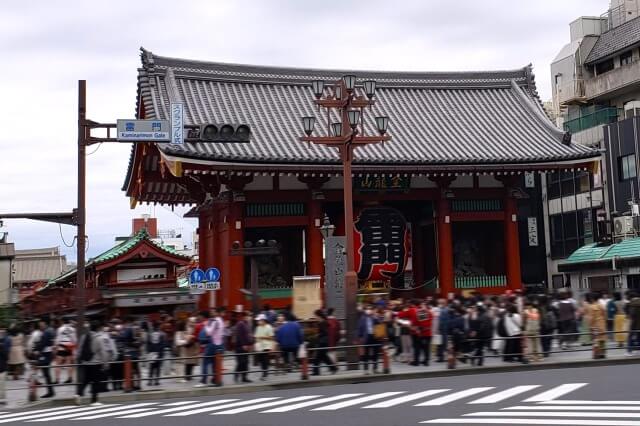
382,244
532,227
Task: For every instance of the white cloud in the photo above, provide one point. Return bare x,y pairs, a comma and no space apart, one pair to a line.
46,46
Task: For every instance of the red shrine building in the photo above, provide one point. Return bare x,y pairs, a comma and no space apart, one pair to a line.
460,177
138,277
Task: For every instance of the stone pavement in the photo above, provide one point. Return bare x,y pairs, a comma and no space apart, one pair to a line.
17,392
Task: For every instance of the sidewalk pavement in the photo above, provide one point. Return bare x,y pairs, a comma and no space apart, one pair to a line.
176,387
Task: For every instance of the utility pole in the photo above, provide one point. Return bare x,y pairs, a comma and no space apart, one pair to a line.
82,208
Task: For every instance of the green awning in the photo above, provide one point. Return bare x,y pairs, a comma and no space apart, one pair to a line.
596,255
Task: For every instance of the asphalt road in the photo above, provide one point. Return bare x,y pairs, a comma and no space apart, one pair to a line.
589,396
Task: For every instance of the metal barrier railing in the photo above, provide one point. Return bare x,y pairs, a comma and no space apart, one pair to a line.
132,373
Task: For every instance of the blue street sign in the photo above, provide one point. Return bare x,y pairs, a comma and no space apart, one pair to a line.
196,276
212,275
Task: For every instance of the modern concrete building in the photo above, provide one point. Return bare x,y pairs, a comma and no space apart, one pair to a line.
596,97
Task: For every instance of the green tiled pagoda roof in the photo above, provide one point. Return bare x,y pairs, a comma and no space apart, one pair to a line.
625,249
120,250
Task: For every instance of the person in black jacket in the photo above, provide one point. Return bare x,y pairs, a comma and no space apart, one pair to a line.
480,332
322,355
44,354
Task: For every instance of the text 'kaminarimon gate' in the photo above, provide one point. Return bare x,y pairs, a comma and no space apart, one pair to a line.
454,197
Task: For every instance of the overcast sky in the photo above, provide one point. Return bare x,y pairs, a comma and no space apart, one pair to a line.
47,45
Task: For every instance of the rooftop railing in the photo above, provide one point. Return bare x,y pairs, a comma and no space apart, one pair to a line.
598,118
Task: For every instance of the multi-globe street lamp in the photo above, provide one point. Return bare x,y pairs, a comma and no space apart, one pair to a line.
349,101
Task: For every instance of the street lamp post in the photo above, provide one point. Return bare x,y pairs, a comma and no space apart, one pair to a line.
261,248
346,136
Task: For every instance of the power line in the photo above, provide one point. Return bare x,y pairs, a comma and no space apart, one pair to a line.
62,237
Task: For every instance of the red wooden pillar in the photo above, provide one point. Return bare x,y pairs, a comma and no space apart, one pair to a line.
418,258
234,264
315,265
512,244
445,248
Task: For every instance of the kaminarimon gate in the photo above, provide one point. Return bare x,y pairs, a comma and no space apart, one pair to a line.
461,175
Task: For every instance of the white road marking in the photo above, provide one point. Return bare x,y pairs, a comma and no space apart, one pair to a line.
453,397
265,405
118,413
172,410
310,403
570,402
24,413
575,407
37,416
556,392
221,407
343,404
553,414
406,398
501,396
96,410
515,421
176,404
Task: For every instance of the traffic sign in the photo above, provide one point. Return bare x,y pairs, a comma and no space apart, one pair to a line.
212,285
212,275
177,123
196,276
143,130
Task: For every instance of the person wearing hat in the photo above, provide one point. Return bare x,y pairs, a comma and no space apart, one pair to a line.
264,343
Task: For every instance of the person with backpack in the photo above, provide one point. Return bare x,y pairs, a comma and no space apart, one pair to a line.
548,325
93,358
156,344
44,354
211,338
366,336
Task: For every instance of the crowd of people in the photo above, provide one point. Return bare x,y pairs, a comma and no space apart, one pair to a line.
511,326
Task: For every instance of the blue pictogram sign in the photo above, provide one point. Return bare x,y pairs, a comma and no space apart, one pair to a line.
212,275
196,276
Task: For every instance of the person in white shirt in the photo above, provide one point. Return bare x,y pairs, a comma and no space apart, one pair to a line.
264,338
66,340
513,327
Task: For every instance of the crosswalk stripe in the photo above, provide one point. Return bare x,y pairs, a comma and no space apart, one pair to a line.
37,416
24,413
176,404
553,414
516,421
575,407
119,413
265,405
406,398
97,410
221,407
501,396
573,402
356,401
310,403
174,409
453,397
555,392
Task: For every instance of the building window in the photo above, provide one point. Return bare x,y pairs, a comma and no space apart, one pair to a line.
568,183
626,58
570,231
605,66
627,167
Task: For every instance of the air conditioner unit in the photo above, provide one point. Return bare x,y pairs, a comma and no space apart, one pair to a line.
623,225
